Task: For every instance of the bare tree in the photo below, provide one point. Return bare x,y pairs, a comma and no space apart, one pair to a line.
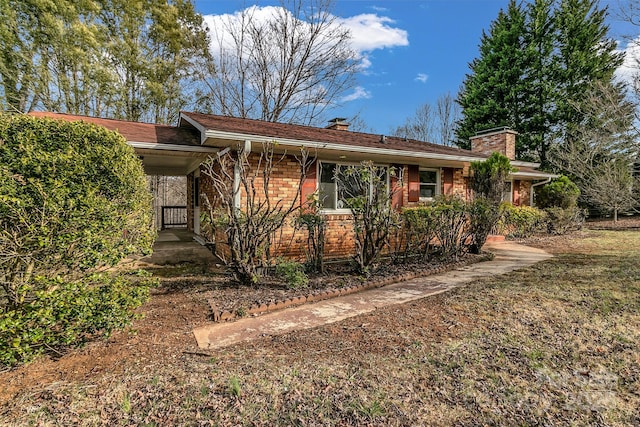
447,115
280,64
431,123
614,188
629,12
601,157
245,205
420,126
357,124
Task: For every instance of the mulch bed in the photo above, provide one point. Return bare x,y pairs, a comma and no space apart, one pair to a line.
229,300
222,294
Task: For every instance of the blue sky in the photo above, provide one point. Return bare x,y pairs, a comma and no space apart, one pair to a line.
416,50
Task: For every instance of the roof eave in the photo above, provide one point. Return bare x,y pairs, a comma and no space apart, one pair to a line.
525,164
288,142
534,175
172,147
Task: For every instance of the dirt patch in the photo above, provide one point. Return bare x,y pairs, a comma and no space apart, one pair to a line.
181,303
223,294
164,333
554,344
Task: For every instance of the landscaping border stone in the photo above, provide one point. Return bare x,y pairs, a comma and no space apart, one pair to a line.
323,294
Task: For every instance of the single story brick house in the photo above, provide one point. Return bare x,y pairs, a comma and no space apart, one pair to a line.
428,169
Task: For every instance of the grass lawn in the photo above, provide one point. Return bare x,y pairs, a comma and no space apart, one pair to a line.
554,344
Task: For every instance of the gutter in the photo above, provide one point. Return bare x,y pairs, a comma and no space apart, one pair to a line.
546,181
337,147
172,147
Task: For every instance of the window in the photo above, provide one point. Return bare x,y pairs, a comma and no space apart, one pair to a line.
327,187
429,183
507,192
333,195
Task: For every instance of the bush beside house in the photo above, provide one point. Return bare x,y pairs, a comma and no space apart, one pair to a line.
73,200
559,200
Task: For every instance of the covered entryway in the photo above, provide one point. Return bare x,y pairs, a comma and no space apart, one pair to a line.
177,246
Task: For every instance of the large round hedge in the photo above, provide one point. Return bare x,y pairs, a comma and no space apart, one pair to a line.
73,198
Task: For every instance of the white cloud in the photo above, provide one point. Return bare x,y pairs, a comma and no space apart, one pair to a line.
371,32
358,93
368,31
631,64
422,77
379,8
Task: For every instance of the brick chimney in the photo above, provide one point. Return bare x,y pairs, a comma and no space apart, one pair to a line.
338,124
502,140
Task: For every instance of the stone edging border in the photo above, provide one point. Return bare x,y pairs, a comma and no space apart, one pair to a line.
261,308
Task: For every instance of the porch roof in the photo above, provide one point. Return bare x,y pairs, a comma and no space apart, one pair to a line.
164,149
135,131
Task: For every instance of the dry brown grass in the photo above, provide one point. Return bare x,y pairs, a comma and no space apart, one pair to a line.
554,344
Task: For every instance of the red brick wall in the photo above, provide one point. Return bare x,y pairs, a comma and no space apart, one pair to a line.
503,142
339,236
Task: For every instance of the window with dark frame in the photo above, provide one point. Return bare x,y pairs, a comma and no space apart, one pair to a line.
333,195
429,187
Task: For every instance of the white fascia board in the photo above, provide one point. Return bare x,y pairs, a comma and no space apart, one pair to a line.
338,147
196,125
173,147
538,175
525,164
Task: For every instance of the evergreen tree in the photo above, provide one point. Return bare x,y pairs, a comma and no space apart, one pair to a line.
540,90
585,56
533,70
492,94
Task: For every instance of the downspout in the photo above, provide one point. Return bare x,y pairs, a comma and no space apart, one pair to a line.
244,150
546,181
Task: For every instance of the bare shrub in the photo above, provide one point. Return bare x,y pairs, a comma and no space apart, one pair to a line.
244,206
366,191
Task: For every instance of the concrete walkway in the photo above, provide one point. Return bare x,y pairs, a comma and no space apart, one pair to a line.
175,246
509,256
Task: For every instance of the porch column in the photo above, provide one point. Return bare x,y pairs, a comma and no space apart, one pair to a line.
196,201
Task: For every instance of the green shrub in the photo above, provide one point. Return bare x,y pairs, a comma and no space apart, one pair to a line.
521,221
418,226
488,177
73,198
488,183
292,273
451,225
560,192
67,314
562,221
483,217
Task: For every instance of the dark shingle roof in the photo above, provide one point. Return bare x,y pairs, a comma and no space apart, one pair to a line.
314,134
134,131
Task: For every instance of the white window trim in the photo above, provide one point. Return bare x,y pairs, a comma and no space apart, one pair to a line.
341,211
438,183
